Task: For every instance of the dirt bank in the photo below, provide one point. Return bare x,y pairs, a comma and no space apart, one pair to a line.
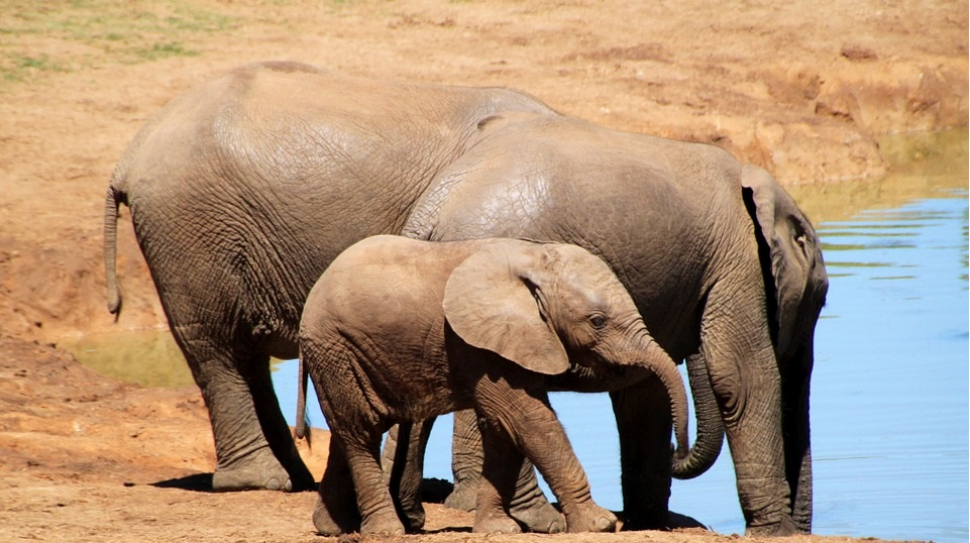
803,88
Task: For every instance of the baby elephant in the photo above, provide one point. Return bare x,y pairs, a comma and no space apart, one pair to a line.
398,330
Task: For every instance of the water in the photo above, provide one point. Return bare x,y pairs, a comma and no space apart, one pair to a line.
891,426
889,391
890,387
147,357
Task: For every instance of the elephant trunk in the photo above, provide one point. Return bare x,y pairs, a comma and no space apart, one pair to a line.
797,431
710,429
665,369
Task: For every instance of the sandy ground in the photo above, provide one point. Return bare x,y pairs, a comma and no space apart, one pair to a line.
804,88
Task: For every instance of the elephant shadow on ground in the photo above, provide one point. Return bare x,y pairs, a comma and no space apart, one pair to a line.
197,482
433,490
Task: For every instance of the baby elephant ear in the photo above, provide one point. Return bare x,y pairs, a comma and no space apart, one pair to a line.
489,303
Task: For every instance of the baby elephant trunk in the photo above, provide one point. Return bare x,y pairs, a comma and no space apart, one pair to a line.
665,369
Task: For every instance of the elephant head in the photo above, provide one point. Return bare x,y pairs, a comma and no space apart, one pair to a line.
796,285
535,303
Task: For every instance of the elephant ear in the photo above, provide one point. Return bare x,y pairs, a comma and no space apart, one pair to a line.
794,258
492,301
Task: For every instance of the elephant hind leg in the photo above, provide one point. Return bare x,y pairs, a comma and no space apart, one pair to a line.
357,428
205,302
403,465
336,511
274,426
496,488
377,511
466,461
244,458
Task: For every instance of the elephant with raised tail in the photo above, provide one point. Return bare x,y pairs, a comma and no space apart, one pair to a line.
244,189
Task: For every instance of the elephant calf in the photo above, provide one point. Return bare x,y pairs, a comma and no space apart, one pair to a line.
399,330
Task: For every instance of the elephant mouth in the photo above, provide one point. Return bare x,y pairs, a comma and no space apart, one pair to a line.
600,376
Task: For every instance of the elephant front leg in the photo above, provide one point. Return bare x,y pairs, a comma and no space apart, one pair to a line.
644,425
736,343
528,506
528,420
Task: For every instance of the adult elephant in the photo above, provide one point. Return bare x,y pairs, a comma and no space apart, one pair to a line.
245,188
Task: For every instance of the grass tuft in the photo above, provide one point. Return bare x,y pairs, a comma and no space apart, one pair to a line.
39,38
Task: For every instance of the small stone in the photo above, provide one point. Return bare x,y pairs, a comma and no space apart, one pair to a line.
858,53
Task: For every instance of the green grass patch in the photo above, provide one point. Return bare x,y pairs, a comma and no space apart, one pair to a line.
165,50
37,38
23,65
43,63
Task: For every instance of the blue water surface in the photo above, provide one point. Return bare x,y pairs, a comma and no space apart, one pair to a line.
889,391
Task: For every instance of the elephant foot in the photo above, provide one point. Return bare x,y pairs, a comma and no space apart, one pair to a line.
590,518
413,517
301,480
639,519
786,527
463,497
544,518
261,471
678,521
495,523
384,523
336,519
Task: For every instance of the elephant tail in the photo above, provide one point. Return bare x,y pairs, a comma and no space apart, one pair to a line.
112,201
710,429
302,428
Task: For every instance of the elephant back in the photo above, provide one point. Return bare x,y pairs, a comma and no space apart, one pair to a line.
655,209
263,175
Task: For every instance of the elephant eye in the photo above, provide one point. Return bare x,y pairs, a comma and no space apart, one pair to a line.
598,321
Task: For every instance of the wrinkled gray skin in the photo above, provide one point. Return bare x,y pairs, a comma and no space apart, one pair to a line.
399,330
467,449
244,189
